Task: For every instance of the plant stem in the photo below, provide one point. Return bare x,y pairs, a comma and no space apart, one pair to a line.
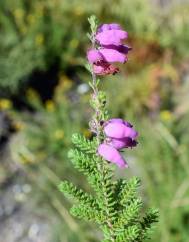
98,130
99,133
101,167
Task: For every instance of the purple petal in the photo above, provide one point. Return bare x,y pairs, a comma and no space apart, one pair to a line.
105,27
111,55
122,143
114,26
119,120
119,130
111,154
116,120
94,55
111,37
121,48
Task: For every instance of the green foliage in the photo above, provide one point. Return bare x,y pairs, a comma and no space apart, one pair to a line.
84,144
165,177
35,35
21,43
115,207
128,190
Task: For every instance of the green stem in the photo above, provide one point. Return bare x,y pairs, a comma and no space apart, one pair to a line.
97,129
99,133
101,167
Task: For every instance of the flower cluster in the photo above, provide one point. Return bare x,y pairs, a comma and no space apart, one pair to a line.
119,134
109,38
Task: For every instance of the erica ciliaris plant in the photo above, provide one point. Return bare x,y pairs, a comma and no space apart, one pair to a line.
114,205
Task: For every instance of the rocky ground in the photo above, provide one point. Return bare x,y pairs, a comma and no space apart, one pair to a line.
20,221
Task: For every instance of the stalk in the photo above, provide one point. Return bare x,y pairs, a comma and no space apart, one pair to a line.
97,124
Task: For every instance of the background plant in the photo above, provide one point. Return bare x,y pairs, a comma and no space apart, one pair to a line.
37,34
43,140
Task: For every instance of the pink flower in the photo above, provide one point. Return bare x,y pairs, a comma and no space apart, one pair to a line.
105,55
112,55
111,37
105,27
120,134
100,65
119,129
111,49
111,34
109,153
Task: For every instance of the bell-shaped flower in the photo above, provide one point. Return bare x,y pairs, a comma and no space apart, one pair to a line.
111,37
110,154
100,64
112,55
119,130
106,55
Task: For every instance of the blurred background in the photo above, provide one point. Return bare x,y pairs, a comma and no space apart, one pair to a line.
44,98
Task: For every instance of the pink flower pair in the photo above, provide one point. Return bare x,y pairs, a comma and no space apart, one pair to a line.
111,49
119,135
